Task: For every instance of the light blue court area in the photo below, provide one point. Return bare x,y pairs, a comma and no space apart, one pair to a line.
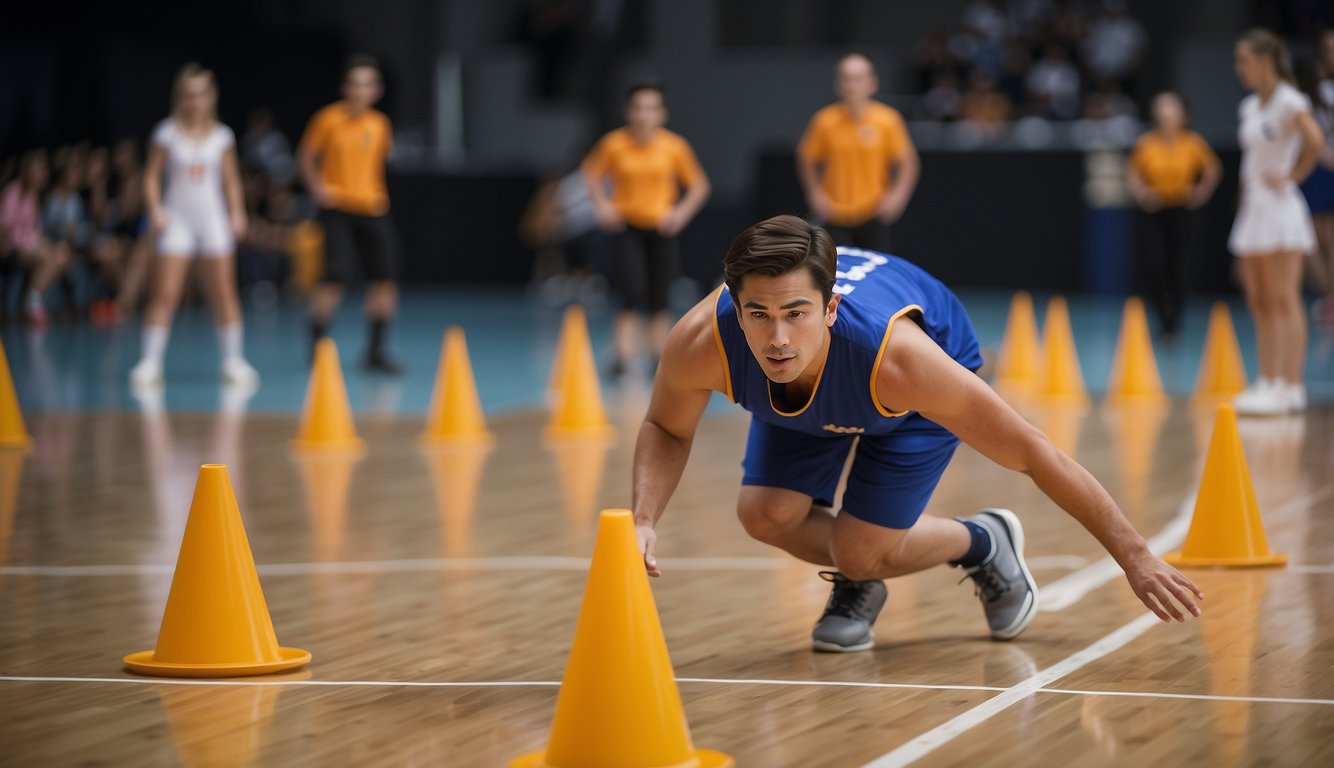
511,338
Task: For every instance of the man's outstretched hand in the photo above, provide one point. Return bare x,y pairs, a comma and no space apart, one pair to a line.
648,543
1162,587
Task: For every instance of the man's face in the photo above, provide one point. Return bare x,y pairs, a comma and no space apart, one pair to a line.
856,81
361,88
784,319
645,111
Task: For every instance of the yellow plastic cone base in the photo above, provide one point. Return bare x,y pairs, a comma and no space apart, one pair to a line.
144,664
455,415
704,758
1270,560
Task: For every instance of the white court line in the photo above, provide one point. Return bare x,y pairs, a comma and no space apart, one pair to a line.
1055,562
936,737
516,563
682,680
1071,588
1311,568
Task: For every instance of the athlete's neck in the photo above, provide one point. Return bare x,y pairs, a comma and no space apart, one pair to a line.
800,388
857,108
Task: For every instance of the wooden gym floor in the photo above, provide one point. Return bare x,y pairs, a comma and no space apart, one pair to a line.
438,594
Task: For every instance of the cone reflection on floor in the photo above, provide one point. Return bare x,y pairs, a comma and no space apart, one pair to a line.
456,474
455,414
1222,374
1226,528
1062,425
11,470
216,623
618,702
326,418
1229,633
1134,431
579,469
1019,364
578,409
573,321
326,479
220,726
1134,376
13,433
1062,381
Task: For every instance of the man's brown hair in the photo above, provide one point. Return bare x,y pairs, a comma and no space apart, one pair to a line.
781,245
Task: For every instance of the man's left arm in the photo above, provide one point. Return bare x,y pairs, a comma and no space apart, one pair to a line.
918,375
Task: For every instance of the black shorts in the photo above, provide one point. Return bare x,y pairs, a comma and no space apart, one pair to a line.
352,238
645,266
872,234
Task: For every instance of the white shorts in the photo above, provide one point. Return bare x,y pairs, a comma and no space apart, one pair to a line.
1270,222
207,234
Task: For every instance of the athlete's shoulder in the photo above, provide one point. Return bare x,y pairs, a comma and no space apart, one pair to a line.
694,357
674,139
223,135
165,131
829,114
882,111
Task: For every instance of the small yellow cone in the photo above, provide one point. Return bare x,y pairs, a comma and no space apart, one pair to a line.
574,318
1226,528
456,409
618,703
326,419
579,411
1222,374
1134,375
216,623
1062,381
13,434
1019,364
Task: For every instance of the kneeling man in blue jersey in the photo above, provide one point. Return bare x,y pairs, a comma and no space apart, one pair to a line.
829,347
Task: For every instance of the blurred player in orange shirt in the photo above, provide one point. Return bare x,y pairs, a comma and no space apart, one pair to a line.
646,166
856,160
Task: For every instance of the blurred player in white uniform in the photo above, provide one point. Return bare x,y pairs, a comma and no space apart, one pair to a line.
200,215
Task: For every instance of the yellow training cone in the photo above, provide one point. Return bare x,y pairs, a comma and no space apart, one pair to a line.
618,703
1226,528
1134,371
326,419
12,432
573,322
1222,374
579,411
1061,381
1019,365
455,415
216,623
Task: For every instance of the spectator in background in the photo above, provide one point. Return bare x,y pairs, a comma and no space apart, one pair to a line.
1053,84
1171,173
128,221
1280,144
264,148
646,166
931,57
106,253
561,225
1319,187
1115,45
24,249
65,219
983,109
342,158
856,161
941,103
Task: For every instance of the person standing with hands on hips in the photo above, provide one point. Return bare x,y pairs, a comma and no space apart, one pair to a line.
647,166
857,163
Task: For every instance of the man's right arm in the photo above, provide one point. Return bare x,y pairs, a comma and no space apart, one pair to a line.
690,369
307,162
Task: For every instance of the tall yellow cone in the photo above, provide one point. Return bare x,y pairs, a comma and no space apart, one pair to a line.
1019,365
455,414
216,623
1134,375
618,703
1062,381
1226,528
579,411
1222,374
573,319
326,419
13,434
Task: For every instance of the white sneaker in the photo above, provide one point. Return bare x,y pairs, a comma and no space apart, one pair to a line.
148,373
1264,397
1295,394
237,371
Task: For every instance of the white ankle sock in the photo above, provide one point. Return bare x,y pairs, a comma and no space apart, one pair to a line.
154,342
230,338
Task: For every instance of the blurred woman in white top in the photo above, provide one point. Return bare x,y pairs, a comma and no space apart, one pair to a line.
1280,143
200,214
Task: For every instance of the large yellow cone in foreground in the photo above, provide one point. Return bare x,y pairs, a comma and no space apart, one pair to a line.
1062,381
13,434
1226,528
1222,374
455,414
216,623
579,411
1019,365
618,703
1134,375
326,419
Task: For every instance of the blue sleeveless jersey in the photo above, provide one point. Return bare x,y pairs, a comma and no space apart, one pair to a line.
877,289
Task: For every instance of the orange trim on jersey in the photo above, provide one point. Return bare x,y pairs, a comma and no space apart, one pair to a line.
880,356
722,351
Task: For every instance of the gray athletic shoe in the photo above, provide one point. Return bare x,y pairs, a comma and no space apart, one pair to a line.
1007,590
852,608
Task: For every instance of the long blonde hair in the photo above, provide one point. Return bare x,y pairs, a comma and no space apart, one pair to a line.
1264,43
186,73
